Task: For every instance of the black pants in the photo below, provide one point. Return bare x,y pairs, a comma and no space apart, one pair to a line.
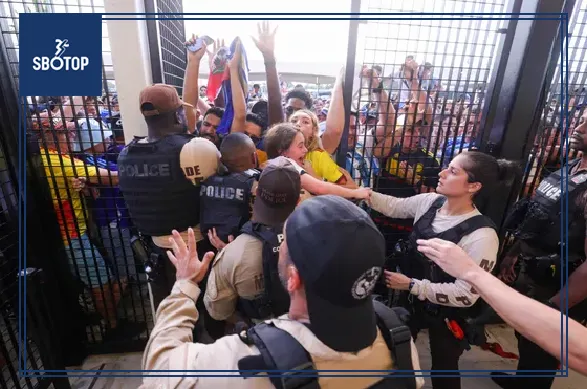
532,357
163,281
444,348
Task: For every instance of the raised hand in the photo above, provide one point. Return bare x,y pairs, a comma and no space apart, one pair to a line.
236,58
78,183
216,241
266,40
372,74
197,55
411,68
215,47
185,258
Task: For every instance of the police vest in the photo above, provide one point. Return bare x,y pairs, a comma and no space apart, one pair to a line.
282,352
274,300
158,195
423,268
225,202
537,221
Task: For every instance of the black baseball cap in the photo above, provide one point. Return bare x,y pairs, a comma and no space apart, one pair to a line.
278,192
339,254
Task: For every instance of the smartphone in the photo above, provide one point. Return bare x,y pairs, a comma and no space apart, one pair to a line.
197,45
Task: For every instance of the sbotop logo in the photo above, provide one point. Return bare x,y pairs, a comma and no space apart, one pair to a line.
59,61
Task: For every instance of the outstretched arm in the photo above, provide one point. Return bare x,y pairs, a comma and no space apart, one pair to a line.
266,44
238,96
335,119
536,321
190,84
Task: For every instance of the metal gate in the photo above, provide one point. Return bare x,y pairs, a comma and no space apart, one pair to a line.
546,153
166,37
92,242
453,59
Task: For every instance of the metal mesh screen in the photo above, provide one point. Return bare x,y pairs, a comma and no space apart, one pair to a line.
172,38
94,223
434,75
546,155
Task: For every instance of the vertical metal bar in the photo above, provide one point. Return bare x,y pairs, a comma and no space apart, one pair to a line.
519,93
494,87
348,81
153,35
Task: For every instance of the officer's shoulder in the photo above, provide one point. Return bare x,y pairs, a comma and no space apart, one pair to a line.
241,243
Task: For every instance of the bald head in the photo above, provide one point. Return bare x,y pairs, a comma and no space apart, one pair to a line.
238,152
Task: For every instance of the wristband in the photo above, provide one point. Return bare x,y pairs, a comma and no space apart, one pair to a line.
411,285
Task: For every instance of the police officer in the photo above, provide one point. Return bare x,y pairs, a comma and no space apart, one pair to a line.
439,302
160,176
226,197
332,324
244,275
536,225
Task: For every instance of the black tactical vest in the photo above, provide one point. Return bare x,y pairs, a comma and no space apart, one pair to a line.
537,221
423,267
225,202
158,195
275,300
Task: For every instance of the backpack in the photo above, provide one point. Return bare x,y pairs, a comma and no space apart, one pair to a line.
295,369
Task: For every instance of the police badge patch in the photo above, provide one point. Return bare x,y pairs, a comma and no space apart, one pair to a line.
579,179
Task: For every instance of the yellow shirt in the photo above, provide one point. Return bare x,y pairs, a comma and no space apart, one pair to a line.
323,165
261,157
59,170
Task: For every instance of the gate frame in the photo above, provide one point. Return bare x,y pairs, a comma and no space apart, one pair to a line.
524,69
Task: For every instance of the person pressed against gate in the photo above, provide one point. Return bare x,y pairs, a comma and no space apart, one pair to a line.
451,214
319,160
287,140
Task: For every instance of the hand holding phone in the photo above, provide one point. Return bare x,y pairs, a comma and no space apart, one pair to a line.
196,44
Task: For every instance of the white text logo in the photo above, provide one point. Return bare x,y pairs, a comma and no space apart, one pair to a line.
59,61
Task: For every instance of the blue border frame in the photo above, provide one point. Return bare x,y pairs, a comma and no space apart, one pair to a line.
562,17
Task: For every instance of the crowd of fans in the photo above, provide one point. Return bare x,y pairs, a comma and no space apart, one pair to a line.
403,138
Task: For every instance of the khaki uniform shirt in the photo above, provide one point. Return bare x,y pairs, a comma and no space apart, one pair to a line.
170,347
237,271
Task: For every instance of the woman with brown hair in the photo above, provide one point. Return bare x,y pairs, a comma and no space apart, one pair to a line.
317,160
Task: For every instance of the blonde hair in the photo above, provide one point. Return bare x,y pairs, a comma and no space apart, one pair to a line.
313,142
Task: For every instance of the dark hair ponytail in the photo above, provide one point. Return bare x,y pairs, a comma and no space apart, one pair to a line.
494,175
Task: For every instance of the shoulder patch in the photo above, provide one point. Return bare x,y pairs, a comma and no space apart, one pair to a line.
252,172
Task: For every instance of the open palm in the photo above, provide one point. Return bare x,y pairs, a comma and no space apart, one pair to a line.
266,40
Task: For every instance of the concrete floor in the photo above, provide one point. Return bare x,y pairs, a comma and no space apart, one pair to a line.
471,360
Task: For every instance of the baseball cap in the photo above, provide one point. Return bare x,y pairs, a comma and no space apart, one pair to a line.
163,98
278,192
339,254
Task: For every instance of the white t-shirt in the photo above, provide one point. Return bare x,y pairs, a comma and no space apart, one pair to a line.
482,245
90,134
296,165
